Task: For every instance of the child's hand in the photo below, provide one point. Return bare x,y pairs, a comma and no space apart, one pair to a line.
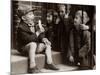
57,21
66,16
71,59
46,41
42,29
39,31
84,27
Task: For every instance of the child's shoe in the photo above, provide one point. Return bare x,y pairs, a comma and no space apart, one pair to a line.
51,66
34,70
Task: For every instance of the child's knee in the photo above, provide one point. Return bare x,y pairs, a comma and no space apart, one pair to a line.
32,44
41,47
48,47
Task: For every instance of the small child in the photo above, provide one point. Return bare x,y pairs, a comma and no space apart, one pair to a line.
80,40
51,28
31,39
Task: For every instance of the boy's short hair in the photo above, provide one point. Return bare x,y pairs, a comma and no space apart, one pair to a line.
61,6
50,12
82,14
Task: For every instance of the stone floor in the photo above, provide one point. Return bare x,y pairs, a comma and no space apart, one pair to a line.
61,67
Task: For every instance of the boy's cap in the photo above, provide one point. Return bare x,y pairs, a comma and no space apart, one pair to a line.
24,9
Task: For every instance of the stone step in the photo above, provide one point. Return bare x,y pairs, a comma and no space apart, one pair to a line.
62,68
19,64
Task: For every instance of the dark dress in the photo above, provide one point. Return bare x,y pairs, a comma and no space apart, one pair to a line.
50,33
63,29
80,46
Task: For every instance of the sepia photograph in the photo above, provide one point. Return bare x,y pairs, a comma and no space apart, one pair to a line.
52,37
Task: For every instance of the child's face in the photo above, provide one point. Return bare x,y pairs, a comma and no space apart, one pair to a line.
85,18
77,20
49,18
62,11
68,7
29,16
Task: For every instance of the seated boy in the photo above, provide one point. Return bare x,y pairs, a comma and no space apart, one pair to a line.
80,40
31,39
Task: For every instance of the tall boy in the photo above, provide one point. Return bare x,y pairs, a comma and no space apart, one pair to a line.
64,25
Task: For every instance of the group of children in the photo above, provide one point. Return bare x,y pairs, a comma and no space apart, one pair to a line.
73,36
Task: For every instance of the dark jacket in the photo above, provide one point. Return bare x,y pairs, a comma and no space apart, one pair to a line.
25,36
63,29
50,31
80,46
